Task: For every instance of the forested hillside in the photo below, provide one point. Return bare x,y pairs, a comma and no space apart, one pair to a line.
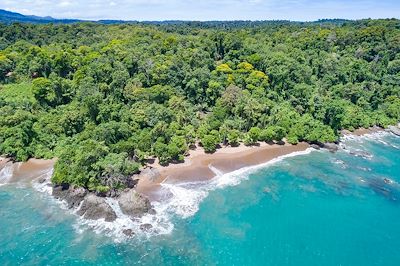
104,98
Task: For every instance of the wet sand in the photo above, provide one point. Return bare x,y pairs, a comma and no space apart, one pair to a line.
227,159
196,166
25,172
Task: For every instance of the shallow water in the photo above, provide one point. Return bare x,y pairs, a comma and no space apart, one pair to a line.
314,209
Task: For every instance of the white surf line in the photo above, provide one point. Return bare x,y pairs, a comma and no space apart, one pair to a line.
6,173
186,197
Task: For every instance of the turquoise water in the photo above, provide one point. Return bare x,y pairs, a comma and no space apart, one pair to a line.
314,209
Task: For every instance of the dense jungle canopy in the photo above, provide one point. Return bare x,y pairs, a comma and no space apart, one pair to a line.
104,98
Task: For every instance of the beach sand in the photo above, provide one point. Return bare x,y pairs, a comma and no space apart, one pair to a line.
25,172
197,166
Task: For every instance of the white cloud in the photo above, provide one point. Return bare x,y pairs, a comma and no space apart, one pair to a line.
65,4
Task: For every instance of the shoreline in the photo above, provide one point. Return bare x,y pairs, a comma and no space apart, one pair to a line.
197,165
161,190
200,166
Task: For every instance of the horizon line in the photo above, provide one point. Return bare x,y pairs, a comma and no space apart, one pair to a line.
185,20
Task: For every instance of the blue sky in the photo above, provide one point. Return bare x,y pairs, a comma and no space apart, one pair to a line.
303,10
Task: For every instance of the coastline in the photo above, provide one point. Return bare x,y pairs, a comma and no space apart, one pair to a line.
23,172
200,166
176,188
197,166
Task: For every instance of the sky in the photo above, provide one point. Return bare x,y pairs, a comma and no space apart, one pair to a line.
298,10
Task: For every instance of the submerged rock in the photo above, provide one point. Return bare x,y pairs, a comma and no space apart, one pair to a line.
133,204
94,208
145,227
362,154
128,232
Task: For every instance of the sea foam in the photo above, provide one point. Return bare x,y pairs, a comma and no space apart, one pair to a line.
185,198
6,173
156,224
180,200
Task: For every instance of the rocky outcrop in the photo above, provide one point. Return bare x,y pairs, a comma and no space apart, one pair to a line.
94,208
332,147
73,196
395,130
315,146
133,204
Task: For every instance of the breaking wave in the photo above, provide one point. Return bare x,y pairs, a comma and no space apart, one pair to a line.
6,173
184,199
181,200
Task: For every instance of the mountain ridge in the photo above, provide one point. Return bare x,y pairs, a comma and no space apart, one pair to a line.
9,17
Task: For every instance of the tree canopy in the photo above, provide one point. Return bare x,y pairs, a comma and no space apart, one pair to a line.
104,98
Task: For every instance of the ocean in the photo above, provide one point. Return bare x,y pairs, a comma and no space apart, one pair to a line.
310,208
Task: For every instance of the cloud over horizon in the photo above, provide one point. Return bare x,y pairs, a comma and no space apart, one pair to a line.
302,10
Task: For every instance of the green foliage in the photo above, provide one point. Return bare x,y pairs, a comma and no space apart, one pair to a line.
252,136
20,95
210,143
272,133
233,137
106,99
90,164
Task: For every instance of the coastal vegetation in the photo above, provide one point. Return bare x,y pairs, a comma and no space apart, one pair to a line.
104,99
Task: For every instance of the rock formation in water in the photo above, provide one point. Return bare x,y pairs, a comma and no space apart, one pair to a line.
332,147
94,207
133,204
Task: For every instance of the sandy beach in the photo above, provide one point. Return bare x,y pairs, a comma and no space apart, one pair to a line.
24,171
198,164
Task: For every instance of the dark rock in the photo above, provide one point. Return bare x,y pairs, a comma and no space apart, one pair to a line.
387,181
363,154
73,196
131,182
94,208
41,180
332,147
145,227
113,193
128,232
315,146
133,203
101,194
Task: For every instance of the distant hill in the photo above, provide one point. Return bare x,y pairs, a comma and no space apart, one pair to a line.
9,17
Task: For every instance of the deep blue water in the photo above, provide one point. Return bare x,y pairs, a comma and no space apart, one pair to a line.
314,209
